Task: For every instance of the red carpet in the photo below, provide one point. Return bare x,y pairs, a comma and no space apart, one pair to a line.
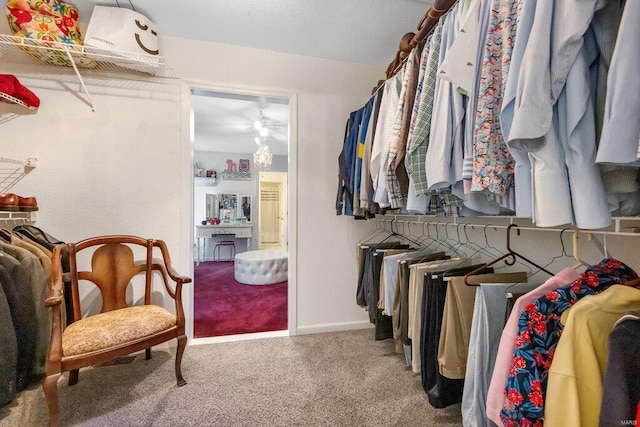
223,306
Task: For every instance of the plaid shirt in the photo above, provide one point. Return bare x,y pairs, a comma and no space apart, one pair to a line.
417,147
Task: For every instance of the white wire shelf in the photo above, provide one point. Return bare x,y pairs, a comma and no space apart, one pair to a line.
21,50
12,171
5,97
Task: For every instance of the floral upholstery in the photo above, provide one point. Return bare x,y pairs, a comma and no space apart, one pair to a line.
115,327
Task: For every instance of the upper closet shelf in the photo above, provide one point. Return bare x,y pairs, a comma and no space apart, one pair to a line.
28,51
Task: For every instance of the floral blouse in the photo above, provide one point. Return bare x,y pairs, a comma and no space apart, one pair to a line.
539,330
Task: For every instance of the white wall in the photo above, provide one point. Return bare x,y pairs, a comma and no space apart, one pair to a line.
127,167
327,91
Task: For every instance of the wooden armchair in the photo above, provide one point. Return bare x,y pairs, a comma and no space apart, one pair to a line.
119,329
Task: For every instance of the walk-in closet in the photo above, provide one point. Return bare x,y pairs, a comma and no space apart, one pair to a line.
498,163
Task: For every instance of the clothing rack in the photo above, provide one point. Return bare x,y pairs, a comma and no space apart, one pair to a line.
620,224
410,40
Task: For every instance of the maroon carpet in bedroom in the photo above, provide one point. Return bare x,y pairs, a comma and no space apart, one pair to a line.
223,306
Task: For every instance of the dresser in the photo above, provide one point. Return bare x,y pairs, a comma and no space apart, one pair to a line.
204,232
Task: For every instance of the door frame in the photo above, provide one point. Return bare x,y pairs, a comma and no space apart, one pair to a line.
187,225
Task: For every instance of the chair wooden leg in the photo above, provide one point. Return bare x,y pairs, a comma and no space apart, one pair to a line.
73,376
50,387
182,343
147,353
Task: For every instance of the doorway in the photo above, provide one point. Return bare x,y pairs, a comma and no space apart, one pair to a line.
273,210
222,123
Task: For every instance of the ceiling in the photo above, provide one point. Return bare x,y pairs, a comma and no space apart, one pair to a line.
361,31
225,122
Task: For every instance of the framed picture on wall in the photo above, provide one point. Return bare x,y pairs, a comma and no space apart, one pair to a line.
244,209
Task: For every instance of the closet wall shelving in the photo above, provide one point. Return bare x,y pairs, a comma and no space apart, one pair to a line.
12,171
27,51
13,100
13,219
401,224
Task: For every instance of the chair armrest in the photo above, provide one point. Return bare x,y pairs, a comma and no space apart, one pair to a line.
175,276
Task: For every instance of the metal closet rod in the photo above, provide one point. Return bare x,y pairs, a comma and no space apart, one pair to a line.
504,227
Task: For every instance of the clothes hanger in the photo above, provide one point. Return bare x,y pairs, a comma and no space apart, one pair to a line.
376,231
509,259
579,261
401,234
430,245
444,243
393,234
435,242
563,254
487,250
5,235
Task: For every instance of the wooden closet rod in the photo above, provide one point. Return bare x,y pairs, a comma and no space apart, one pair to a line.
410,40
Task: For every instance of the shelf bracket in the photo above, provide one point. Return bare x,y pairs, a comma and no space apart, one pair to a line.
84,88
11,174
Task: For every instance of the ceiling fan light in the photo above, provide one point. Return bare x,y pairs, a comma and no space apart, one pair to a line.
257,125
264,131
257,140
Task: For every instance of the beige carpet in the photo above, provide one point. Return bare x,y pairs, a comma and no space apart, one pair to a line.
333,379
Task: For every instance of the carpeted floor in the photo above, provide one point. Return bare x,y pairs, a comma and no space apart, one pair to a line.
332,379
223,306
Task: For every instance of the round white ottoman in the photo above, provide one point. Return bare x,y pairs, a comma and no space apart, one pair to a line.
261,267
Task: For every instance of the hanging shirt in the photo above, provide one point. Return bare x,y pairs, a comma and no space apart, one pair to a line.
555,41
574,393
493,164
379,137
366,183
415,157
577,133
360,149
522,169
444,156
346,163
416,203
459,64
381,195
621,128
495,393
539,329
397,180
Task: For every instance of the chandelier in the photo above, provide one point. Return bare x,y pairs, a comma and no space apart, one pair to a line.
262,157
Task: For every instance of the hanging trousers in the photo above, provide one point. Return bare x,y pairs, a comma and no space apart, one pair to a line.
441,391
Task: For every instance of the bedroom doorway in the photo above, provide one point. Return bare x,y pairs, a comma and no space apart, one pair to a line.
273,210
225,135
